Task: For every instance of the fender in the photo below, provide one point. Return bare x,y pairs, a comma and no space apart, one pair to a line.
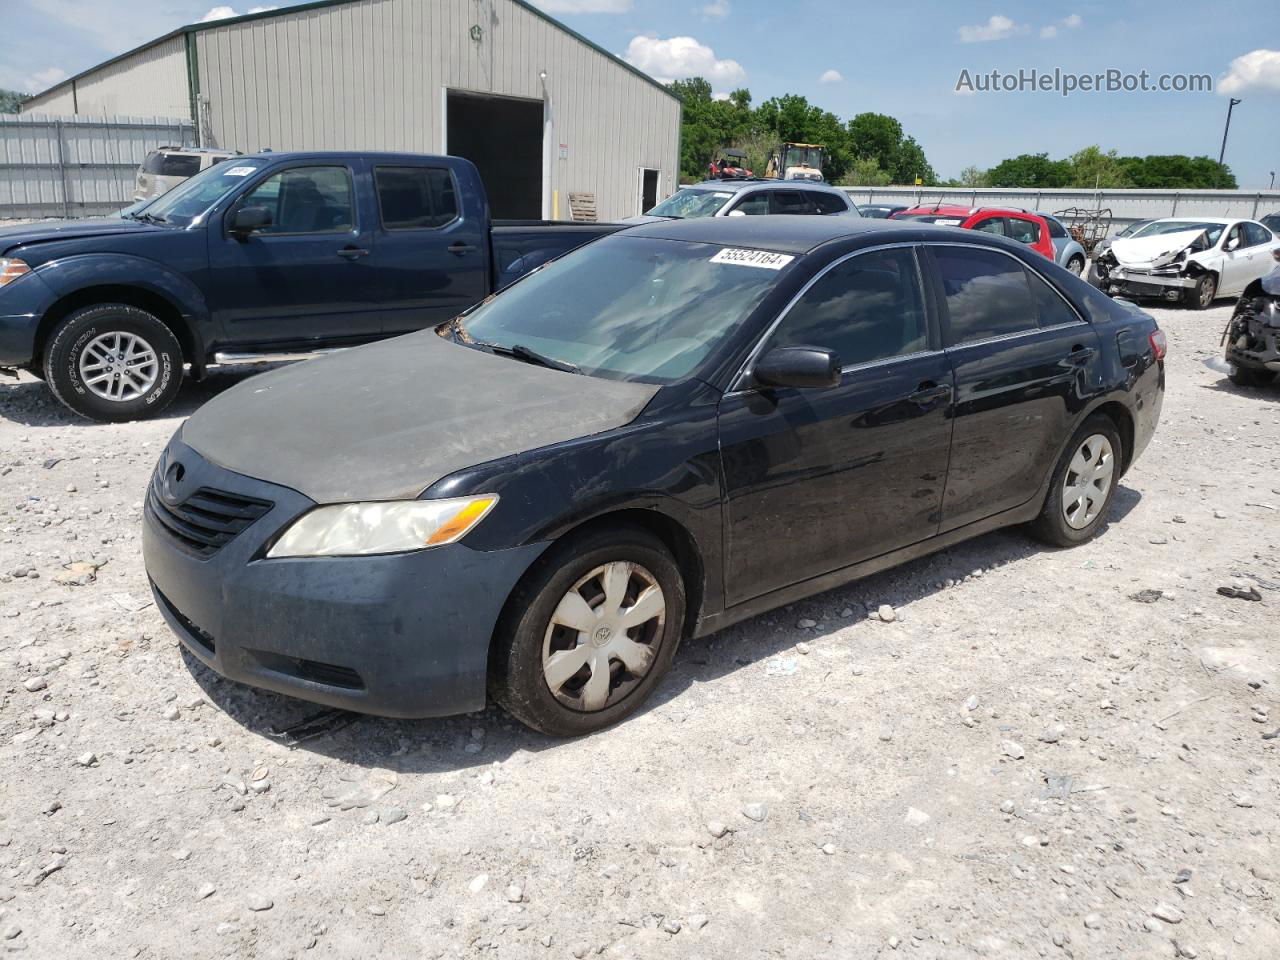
68,275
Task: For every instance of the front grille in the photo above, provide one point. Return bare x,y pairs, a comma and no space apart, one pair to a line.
207,520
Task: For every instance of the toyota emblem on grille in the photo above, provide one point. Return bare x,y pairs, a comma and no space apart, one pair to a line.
169,484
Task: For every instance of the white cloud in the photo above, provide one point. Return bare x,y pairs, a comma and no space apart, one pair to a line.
680,58
998,27
1069,22
584,6
44,79
831,76
1255,72
223,12
715,10
111,25
723,97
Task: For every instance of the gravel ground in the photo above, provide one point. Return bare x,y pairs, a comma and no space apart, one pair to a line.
1047,753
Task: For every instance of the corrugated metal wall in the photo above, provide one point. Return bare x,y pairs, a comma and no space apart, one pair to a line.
1125,205
150,82
76,166
372,75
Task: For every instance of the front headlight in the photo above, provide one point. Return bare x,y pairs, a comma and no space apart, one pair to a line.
390,526
11,268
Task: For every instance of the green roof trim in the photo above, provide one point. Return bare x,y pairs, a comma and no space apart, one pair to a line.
192,28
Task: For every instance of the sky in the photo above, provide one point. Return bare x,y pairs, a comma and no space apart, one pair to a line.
903,58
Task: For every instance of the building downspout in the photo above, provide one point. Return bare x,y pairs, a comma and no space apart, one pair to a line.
193,85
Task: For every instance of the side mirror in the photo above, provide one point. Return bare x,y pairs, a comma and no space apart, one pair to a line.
737,213
798,367
1231,244
249,219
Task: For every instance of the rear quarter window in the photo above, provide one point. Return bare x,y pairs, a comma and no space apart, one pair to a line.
826,203
987,294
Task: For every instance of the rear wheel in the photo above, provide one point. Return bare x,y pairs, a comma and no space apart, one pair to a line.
1249,377
587,637
1076,265
1201,296
113,362
1082,485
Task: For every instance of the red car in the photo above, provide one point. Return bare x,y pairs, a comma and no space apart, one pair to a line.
1011,222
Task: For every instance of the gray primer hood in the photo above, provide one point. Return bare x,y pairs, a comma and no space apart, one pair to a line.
386,421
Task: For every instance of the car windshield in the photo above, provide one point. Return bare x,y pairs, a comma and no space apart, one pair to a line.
191,199
1213,230
941,219
1132,228
627,308
687,204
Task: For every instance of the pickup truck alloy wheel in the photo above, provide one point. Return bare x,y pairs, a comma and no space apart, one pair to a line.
600,642
113,362
118,366
1087,485
589,632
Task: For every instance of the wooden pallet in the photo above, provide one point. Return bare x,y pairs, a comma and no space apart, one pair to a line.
582,207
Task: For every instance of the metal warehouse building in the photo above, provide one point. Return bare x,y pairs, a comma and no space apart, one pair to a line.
539,109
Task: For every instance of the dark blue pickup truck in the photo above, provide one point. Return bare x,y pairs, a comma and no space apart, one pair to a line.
254,257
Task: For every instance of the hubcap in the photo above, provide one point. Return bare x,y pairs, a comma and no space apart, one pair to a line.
1088,481
603,636
119,366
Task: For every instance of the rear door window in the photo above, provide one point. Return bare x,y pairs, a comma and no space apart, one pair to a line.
789,201
987,294
415,197
866,308
827,203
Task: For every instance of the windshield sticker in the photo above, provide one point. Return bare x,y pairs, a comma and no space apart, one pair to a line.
947,223
752,258
238,171
723,196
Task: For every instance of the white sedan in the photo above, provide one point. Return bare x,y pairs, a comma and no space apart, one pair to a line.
1192,260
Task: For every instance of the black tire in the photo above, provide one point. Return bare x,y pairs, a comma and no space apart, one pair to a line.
71,337
1201,296
1249,377
516,678
1076,265
1052,525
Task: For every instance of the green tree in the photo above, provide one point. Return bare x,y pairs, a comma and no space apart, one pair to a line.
1030,170
909,163
793,118
1091,168
709,124
972,176
865,172
1178,172
11,100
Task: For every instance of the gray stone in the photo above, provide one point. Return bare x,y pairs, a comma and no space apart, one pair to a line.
1006,806
972,703
205,892
1013,749
12,931
515,893
87,759
804,623
35,684
1167,912
716,829
171,713
1093,921
393,815
886,613
697,921
260,903
755,811
917,818
671,925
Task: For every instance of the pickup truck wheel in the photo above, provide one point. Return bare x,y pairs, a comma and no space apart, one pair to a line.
1249,377
590,632
1200,297
1082,485
113,362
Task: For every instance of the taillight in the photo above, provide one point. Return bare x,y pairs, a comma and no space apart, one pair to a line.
1159,343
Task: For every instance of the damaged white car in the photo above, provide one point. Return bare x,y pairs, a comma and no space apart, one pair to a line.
1194,261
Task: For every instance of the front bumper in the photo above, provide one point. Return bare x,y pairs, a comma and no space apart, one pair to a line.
22,305
1257,349
400,635
1134,283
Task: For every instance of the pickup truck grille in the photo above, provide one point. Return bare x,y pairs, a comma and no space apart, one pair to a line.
207,520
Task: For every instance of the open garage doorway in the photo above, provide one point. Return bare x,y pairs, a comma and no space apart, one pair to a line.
502,136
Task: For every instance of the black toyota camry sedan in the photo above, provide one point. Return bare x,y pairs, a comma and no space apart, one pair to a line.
661,433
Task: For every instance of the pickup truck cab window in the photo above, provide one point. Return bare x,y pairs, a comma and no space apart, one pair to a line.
868,307
305,200
413,198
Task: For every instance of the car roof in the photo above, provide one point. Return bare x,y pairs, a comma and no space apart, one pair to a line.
956,210
734,186
1222,220
783,233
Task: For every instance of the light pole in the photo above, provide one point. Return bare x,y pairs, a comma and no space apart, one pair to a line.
1273,181
1231,105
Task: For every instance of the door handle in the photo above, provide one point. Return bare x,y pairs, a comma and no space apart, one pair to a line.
1079,356
928,392
458,248
353,253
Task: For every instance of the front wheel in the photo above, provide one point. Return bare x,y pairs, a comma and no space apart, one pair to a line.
1082,485
1076,265
1201,296
113,362
1249,377
589,634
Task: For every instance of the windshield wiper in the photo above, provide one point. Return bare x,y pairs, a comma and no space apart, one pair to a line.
529,355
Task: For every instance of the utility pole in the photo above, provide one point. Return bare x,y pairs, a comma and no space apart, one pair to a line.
1231,105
